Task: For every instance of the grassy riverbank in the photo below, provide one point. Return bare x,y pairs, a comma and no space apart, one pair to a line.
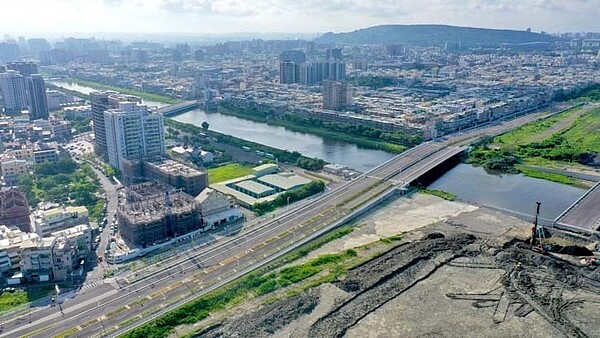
334,135
128,91
439,193
568,139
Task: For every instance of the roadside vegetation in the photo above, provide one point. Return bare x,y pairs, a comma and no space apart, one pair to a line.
127,91
228,172
582,95
10,300
284,280
64,182
252,285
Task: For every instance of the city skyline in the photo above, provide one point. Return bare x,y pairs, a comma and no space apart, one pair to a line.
87,17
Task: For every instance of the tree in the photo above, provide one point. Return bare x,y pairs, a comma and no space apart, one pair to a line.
205,125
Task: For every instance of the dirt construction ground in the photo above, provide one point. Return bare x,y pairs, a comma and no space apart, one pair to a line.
462,271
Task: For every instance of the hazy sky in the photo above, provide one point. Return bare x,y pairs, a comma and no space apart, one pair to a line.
225,16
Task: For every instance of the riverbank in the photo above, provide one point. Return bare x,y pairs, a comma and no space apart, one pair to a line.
74,93
334,135
570,139
196,136
127,91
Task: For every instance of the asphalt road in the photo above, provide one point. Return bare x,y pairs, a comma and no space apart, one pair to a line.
98,310
586,213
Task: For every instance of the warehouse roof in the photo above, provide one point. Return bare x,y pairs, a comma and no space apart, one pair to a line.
284,181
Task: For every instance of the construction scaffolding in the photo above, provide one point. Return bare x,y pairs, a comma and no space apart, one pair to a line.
152,213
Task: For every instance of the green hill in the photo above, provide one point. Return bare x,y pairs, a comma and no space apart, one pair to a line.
435,35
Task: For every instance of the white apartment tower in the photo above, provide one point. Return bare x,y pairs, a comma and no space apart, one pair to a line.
14,91
133,134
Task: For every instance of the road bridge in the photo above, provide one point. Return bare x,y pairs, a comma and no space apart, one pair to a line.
584,214
178,108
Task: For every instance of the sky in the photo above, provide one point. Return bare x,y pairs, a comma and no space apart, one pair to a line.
81,17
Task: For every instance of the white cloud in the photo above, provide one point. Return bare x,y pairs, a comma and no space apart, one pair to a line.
206,16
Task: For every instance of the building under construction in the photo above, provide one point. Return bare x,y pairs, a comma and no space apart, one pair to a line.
167,171
153,212
14,210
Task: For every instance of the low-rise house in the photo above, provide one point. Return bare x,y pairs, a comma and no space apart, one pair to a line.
45,222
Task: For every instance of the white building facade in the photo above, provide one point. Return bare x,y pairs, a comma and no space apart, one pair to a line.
133,134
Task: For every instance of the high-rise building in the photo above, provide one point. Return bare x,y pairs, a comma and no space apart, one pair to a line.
289,65
133,134
336,95
38,103
334,54
14,91
25,68
318,71
101,102
37,46
295,56
289,72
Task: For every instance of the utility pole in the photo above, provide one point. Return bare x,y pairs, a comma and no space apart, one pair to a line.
536,228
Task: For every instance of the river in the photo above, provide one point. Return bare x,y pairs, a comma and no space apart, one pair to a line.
516,193
274,136
87,90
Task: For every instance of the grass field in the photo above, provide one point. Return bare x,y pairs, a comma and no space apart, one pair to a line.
533,132
585,132
569,138
227,172
10,300
547,176
580,127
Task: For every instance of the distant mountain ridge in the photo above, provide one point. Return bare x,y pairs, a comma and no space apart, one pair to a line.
434,35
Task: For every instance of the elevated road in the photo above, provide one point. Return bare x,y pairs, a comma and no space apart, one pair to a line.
123,303
177,108
584,214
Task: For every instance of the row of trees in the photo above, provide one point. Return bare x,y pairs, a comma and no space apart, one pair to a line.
402,138
293,195
591,93
313,164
